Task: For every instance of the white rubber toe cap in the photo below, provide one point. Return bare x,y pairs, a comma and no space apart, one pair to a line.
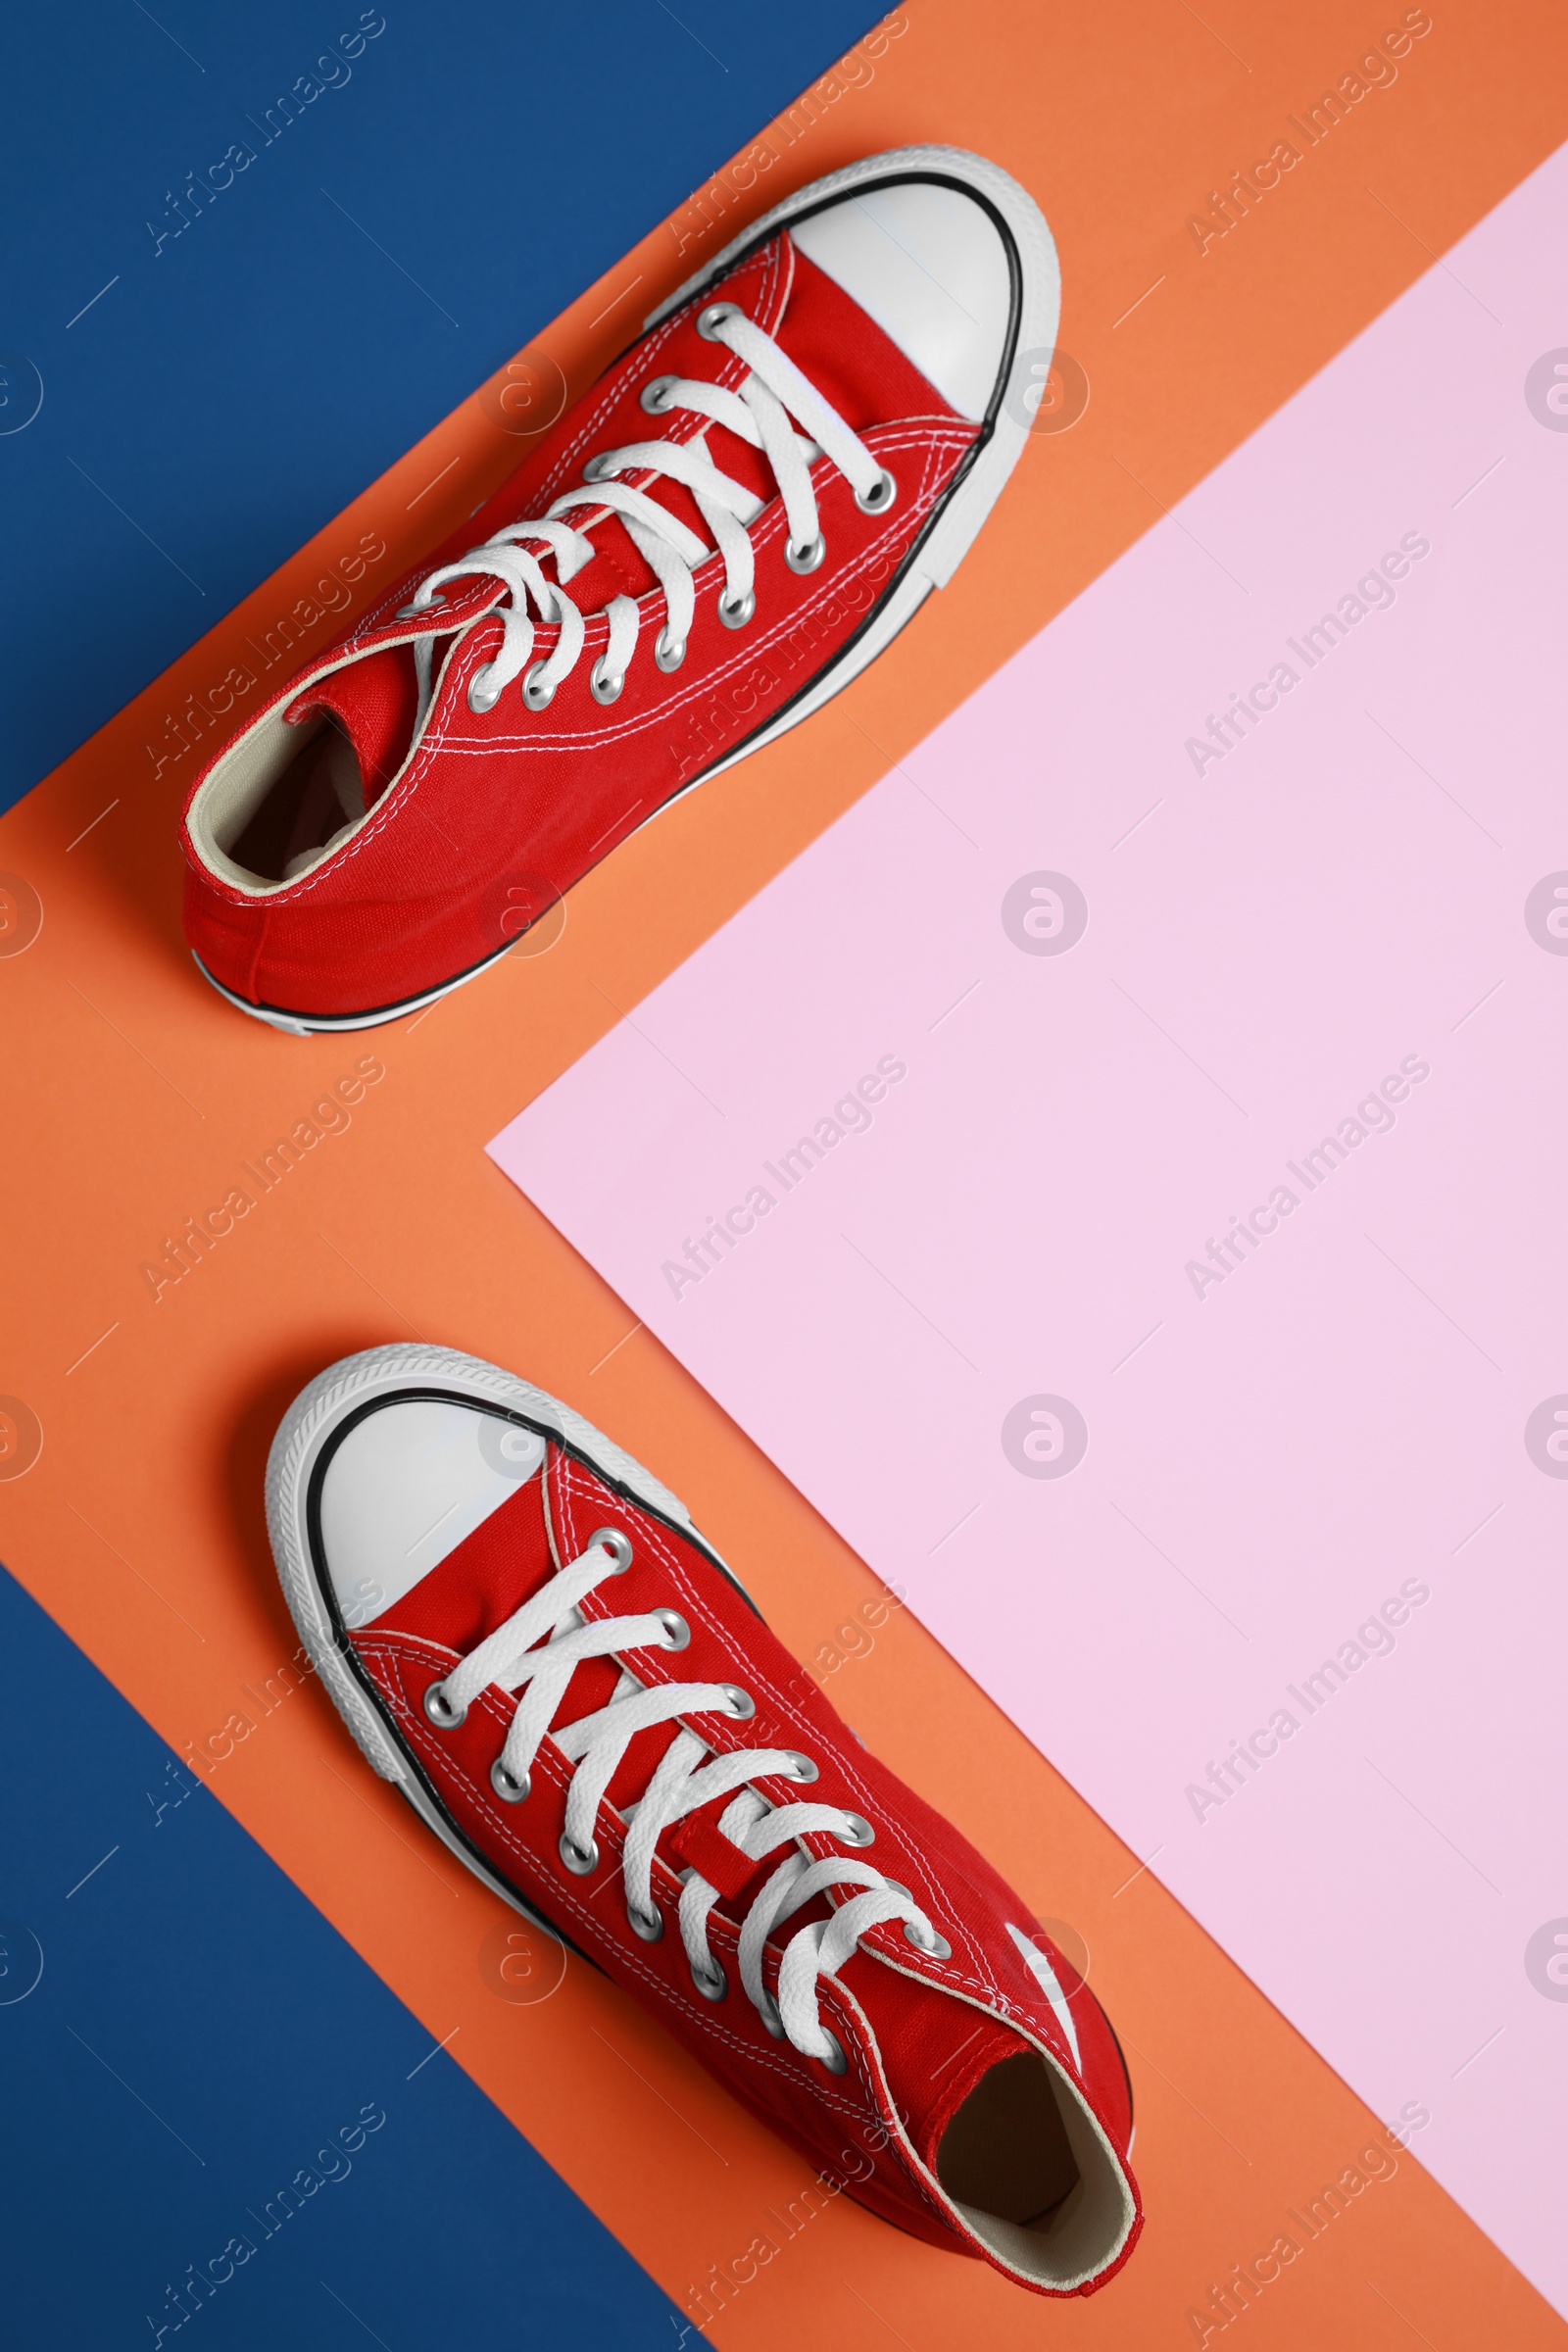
409,1484
928,264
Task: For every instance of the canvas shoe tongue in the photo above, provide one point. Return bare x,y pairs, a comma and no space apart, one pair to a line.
374,701
978,2106
935,2052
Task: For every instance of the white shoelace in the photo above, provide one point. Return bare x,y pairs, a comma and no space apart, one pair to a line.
757,412
688,1775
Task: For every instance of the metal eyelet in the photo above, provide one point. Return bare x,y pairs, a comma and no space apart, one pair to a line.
617,1545
806,558
741,1703
605,685
669,652
802,1768
714,317
648,1924
877,500
835,2062
598,468
579,1859
655,396
771,2017
677,1632
417,611
482,696
511,1788
711,1982
939,1949
442,1713
537,692
735,613
856,1830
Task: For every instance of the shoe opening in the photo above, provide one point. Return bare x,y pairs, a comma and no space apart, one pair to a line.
282,799
291,789
315,804
1033,2175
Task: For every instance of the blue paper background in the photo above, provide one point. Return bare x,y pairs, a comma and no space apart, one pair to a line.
197,2034
237,385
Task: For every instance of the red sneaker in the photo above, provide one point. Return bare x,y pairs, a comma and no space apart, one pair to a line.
747,506
574,1691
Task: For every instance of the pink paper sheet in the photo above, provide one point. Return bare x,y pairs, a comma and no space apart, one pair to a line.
1160,1484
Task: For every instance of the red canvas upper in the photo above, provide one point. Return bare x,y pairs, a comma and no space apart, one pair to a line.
501,811
919,2030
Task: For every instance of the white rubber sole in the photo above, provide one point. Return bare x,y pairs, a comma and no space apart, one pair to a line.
306,1433
939,553
300,1024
